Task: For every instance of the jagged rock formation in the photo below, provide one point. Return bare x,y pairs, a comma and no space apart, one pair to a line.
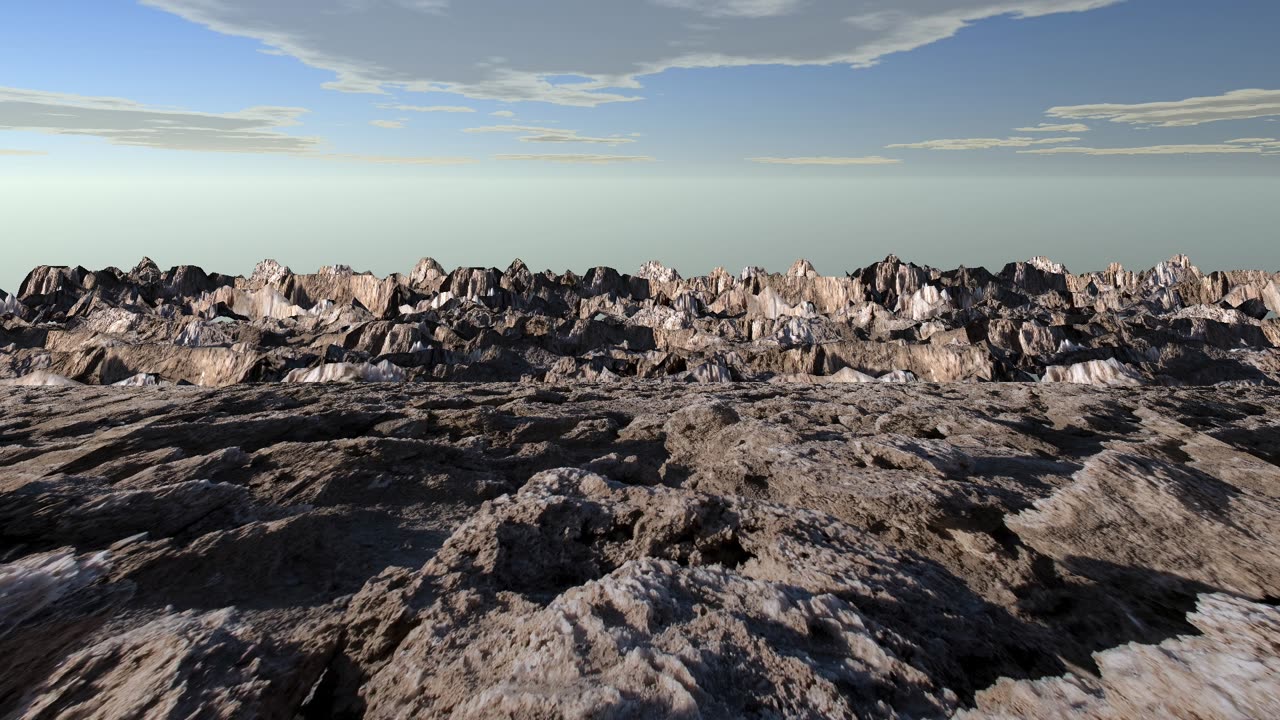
636,549
1171,325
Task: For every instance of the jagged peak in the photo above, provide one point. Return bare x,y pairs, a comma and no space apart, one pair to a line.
269,272
657,272
336,270
1044,264
802,268
146,264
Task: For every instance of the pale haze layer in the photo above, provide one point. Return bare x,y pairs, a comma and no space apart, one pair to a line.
694,224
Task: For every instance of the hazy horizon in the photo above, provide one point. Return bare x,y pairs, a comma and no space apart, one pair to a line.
385,225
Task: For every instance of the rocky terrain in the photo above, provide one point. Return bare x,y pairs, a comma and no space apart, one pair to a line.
892,321
754,496
640,549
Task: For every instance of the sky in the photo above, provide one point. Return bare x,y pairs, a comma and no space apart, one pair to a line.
701,133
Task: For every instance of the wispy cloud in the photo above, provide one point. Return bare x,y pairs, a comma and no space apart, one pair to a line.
427,108
21,153
870,160
1218,149
1236,105
982,143
503,114
578,159
388,124
394,159
535,134
452,47
1049,127
124,122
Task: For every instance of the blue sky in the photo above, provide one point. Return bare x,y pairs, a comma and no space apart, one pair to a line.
709,93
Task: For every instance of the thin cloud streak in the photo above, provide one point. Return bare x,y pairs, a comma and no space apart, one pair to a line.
427,108
981,143
1235,105
870,160
1223,149
576,159
1049,127
534,134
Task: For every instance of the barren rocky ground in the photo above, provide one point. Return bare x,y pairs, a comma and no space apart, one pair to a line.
899,492
640,549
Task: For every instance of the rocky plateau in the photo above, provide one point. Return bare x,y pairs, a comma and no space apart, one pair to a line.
898,493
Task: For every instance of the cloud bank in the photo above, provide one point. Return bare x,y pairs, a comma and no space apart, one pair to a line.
124,122
585,53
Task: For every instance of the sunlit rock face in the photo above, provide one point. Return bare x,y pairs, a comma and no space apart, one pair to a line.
1034,320
829,544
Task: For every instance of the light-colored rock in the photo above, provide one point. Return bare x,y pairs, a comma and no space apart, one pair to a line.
1093,372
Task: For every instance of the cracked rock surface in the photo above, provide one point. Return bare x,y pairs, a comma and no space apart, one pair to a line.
639,549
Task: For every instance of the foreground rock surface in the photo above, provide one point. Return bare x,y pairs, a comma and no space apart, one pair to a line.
892,321
639,549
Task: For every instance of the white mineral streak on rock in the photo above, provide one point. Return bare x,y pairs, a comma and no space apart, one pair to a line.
36,581
1094,372
139,380
841,376
924,303
203,333
796,332
384,371
40,378
1173,271
1230,672
9,305
898,376
711,372
1271,297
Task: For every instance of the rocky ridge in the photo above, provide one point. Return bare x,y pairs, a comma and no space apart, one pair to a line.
891,321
